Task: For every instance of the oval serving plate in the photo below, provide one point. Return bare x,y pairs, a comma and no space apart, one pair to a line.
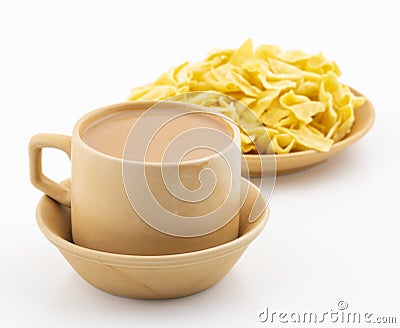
298,161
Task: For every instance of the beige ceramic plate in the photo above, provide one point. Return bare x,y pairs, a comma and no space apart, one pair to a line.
151,277
293,162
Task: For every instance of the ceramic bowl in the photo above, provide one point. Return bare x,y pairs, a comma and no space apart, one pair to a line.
298,161
153,277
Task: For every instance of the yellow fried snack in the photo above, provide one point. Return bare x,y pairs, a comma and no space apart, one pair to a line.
296,100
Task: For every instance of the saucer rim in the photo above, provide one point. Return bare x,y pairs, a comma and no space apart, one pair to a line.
143,261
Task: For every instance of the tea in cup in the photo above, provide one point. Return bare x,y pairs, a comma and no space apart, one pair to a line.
148,178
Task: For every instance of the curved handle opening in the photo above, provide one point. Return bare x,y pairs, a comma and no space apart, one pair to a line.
51,188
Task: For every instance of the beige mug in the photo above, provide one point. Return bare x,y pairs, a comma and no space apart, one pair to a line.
111,209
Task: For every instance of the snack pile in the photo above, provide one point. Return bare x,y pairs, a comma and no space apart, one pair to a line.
296,98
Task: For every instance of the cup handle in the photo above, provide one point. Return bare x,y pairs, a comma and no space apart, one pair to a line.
51,188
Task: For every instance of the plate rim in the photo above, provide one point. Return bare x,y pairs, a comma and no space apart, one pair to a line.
348,140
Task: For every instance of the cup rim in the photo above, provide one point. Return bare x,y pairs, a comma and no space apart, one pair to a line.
104,111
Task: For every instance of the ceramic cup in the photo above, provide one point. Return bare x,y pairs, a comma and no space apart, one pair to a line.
127,206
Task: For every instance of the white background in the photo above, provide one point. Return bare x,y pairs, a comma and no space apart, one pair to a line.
334,229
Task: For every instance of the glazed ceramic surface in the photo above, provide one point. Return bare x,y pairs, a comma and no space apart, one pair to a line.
153,277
